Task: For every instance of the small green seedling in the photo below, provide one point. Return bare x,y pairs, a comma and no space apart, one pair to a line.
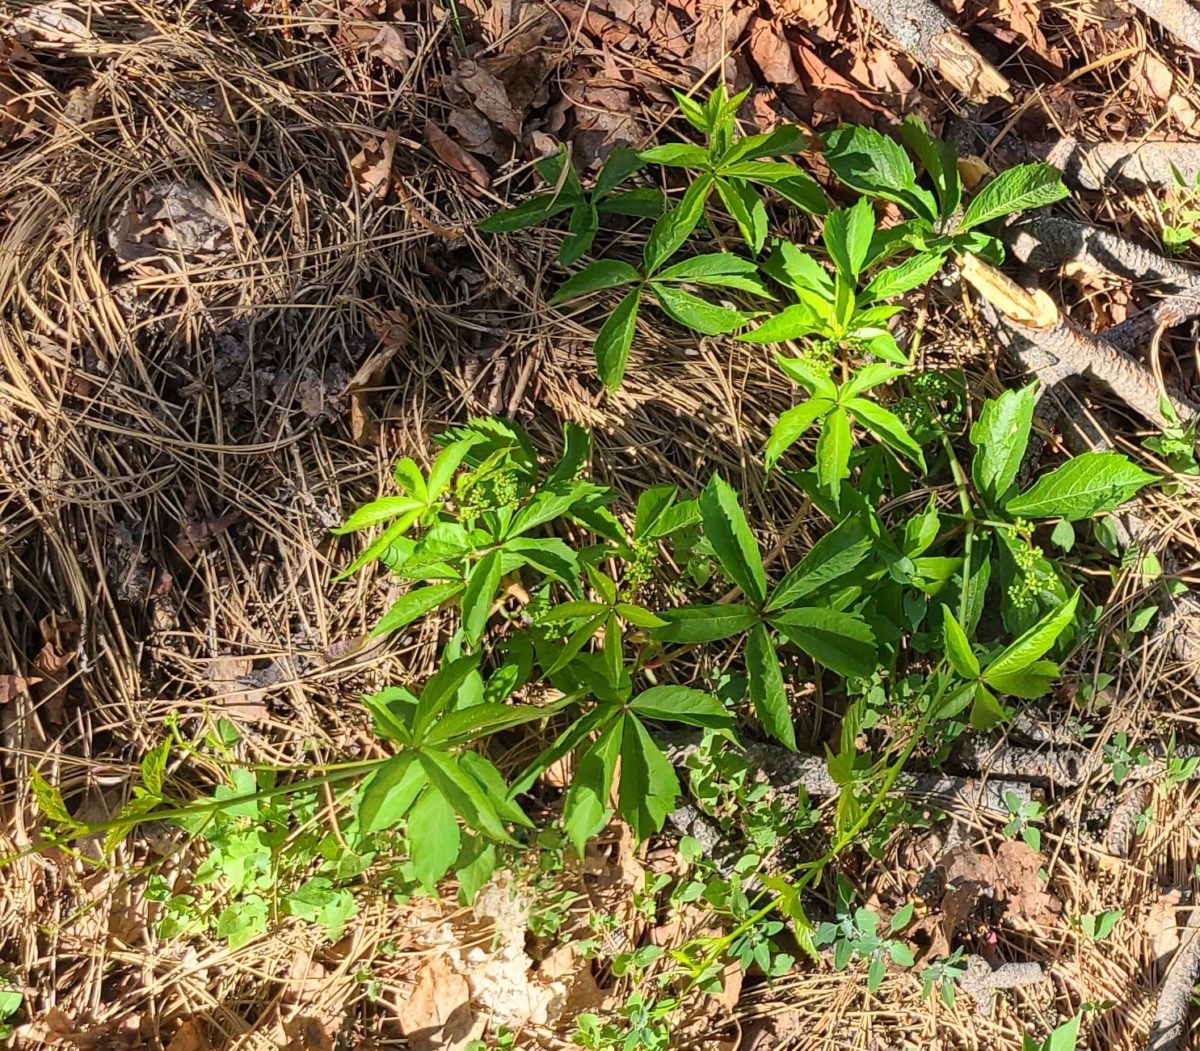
585,208
1122,758
1022,820
1098,926
854,936
1064,1038
939,975
732,165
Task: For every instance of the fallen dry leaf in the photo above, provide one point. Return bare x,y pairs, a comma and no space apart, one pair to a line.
371,167
1023,17
196,533
306,1033
233,693
436,1015
13,685
833,94
814,16
166,222
772,53
391,48
717,32
1008,879
1155,75
17,106
1161,926
605,28
452,154
56,24
191,1036
392,329
489,96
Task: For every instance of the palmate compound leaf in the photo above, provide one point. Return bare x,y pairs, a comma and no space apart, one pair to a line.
691,311
387,795
833,452
682,704
614,340
586,809
595,277
1013,190
648,786
477,598
1022,654
791,425
416,603
958,647
434,837
837,553
688,625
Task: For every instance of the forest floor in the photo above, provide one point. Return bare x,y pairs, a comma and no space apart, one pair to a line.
240,274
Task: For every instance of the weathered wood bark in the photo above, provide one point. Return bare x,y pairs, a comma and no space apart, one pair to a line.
981,980
924,31
1170,1018
788,772
1045,242
1096,165
1177,17
1032,326
1138,329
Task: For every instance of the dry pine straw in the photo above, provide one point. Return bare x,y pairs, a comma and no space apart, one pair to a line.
175,446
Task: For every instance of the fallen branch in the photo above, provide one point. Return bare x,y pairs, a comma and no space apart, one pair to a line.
1175,994
1096,165
1177,17
1060,768
1140,328
1122,822
981,980
1031,324
924,31
788,772
1044,242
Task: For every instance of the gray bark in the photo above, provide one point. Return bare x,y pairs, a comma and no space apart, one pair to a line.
924,31
1045,242
1170,1017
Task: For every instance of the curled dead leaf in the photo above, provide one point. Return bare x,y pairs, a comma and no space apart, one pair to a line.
371,168
166,222
391,328
56,24
13,685
453,155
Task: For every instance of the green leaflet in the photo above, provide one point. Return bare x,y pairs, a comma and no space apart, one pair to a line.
1089,484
